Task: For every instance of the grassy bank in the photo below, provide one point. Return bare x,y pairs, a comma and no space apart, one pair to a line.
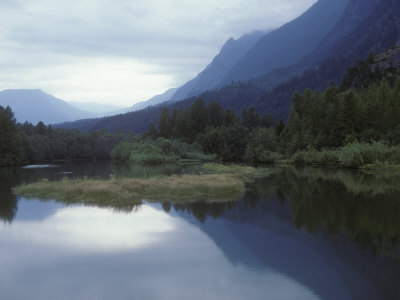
221,186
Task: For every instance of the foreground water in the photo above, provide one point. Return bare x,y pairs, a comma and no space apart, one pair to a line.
296,234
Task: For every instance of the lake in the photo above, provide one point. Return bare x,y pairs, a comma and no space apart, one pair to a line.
300,233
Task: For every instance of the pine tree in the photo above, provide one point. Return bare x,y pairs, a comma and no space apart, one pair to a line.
164,123
9,152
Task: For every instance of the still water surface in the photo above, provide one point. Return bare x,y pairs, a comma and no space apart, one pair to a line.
296,234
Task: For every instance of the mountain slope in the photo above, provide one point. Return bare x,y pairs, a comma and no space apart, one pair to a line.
288,44
372,28
209,78
158,99
35,105
166,96
374,33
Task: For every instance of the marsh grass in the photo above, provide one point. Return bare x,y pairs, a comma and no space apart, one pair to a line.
245,172
126,192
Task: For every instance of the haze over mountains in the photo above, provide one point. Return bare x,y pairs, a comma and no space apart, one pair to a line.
99,109
35,106
158,99
211,76
257,53
355,29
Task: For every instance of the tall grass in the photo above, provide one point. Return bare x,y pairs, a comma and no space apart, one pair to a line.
211,187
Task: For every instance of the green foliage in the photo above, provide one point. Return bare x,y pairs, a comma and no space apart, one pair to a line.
333,119
149,153
353,155
9,152
26,143
262,146
158,151
164,123
217,131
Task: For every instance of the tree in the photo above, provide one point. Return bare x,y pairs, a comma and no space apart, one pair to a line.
9,152
198,116
215,114
164,123
153,133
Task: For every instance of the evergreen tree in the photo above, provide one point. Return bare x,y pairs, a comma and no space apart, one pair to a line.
215,114
198,116
9,152
164,123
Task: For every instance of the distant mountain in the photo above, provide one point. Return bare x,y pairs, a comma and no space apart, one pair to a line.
35,105
288,44
99,109
211,76
164,97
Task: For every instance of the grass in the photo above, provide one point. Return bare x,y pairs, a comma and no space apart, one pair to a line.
125,192
244,172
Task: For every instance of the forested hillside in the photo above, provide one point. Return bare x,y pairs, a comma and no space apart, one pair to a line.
369,29
354,124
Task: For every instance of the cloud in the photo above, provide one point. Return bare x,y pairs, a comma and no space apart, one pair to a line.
175,38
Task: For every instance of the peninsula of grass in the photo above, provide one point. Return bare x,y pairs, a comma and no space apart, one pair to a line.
116,192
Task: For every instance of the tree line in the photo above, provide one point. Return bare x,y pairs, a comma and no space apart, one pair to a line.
318,121
28,143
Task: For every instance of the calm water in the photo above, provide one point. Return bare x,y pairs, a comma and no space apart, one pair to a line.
296,234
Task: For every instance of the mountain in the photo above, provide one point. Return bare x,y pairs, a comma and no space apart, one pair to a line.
364,26
288,44
371,27
166,96
211,76
35,105
99,109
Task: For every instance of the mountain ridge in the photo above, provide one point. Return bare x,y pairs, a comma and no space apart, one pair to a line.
289,43
231,52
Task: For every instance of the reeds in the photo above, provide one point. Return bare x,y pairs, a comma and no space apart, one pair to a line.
210,187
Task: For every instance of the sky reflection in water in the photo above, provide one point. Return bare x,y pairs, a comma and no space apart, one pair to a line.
93,253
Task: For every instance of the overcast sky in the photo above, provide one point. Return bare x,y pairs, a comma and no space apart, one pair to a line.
123,51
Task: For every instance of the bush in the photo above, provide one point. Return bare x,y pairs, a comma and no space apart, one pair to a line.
160,151
328,157
350,156
151,154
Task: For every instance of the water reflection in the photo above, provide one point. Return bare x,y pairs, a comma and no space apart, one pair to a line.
92,229
300,233
8,201
10,177
363,206
89,253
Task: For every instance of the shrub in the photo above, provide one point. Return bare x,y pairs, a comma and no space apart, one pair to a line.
350,156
